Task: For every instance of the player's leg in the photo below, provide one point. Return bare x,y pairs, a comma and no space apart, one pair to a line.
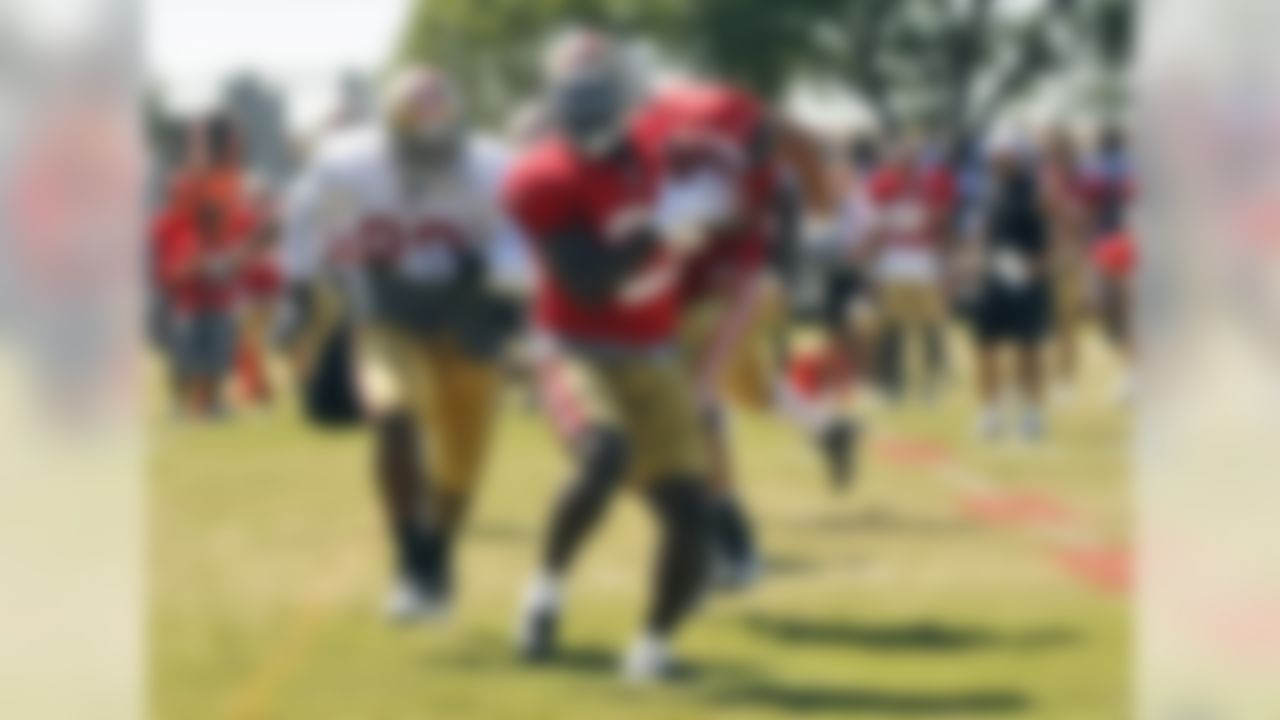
392,379
1030,362
215,345
932,312
458,407
891,359
660,416
848,324
402,490
1033,323
1066,322
251,358
708,354
600,452
735,558
678,502
988,329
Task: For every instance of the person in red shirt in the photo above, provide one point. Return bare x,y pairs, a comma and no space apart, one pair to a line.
197,267
608,236
913,202
206,243
223,181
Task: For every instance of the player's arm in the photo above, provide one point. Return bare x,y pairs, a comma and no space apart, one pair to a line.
589,263
595,267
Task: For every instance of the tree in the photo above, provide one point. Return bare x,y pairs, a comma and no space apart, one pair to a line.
952,65
493,47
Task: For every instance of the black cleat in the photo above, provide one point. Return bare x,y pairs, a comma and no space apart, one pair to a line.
538,631
423,590
839,445
539,635
735,563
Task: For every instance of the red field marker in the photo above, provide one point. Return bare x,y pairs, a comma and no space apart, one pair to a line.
1043,514
913,451
1014,509
1106,568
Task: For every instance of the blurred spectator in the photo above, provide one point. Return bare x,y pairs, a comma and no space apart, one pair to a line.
1066,204
1115,257
912,202
1109,182
208,263
198,270
1013,308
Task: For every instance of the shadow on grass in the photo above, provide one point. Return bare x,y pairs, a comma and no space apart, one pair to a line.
788,566
800,699
739,687
586,660
923,636
726,686
502,534
880,519
485,655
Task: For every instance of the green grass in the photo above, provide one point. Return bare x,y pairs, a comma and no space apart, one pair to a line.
269,563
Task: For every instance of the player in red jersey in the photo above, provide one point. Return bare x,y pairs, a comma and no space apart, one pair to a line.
713,133
609,234
913,201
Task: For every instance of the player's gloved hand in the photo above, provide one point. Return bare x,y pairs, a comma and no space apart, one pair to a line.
1010,269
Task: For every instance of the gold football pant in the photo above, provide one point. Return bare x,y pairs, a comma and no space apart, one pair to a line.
451,397
739,364
645,396
912,311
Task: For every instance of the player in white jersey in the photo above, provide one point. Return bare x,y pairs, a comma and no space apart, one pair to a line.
398,228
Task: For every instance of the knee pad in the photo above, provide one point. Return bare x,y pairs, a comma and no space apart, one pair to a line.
604,456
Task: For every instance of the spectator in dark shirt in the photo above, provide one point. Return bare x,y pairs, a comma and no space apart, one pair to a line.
1014,300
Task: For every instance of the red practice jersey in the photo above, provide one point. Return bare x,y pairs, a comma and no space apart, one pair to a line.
554,193
912,203
694,127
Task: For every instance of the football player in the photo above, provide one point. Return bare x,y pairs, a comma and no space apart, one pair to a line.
609,235
399,227
913,201
708,132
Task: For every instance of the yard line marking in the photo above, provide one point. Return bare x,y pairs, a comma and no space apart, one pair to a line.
252,698
1072,544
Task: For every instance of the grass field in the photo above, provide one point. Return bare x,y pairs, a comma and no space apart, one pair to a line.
268,568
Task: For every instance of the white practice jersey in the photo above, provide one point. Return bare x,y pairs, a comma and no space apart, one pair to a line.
351,209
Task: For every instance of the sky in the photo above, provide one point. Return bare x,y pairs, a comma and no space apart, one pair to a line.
302,45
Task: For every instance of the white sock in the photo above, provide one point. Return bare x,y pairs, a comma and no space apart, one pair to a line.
653,642
647,654
544,591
